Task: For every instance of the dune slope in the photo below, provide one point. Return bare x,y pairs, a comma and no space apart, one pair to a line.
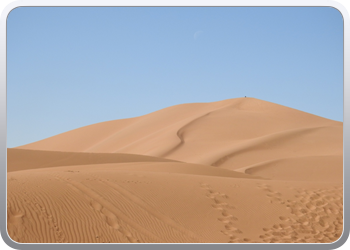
144,203
208,133
235,171
23,159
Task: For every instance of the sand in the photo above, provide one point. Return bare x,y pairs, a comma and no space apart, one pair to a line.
235,171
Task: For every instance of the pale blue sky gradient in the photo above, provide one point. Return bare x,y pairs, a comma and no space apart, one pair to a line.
68,67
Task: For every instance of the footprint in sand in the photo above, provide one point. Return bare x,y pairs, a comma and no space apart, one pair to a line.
313,218
112,220
230,229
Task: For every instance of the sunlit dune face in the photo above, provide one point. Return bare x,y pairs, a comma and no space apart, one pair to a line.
236,171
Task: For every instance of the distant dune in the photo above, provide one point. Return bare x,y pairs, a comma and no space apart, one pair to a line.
23,159
238,170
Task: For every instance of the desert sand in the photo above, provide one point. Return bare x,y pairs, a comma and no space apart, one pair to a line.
241,170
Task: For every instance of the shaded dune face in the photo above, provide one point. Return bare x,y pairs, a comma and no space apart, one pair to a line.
233,171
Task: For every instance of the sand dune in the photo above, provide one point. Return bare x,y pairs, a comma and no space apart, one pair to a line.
309,168
238,170
23,159
208,133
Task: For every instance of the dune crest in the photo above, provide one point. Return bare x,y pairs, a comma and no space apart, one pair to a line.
240,170
214,129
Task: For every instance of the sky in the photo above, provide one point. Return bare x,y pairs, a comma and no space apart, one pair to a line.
69,67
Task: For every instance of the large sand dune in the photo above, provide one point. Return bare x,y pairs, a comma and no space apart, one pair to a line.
238,170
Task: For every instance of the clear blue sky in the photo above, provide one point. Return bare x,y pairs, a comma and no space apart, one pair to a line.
71,67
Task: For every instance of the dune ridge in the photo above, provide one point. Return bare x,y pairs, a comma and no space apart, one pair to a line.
24,159
240,170
201,128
